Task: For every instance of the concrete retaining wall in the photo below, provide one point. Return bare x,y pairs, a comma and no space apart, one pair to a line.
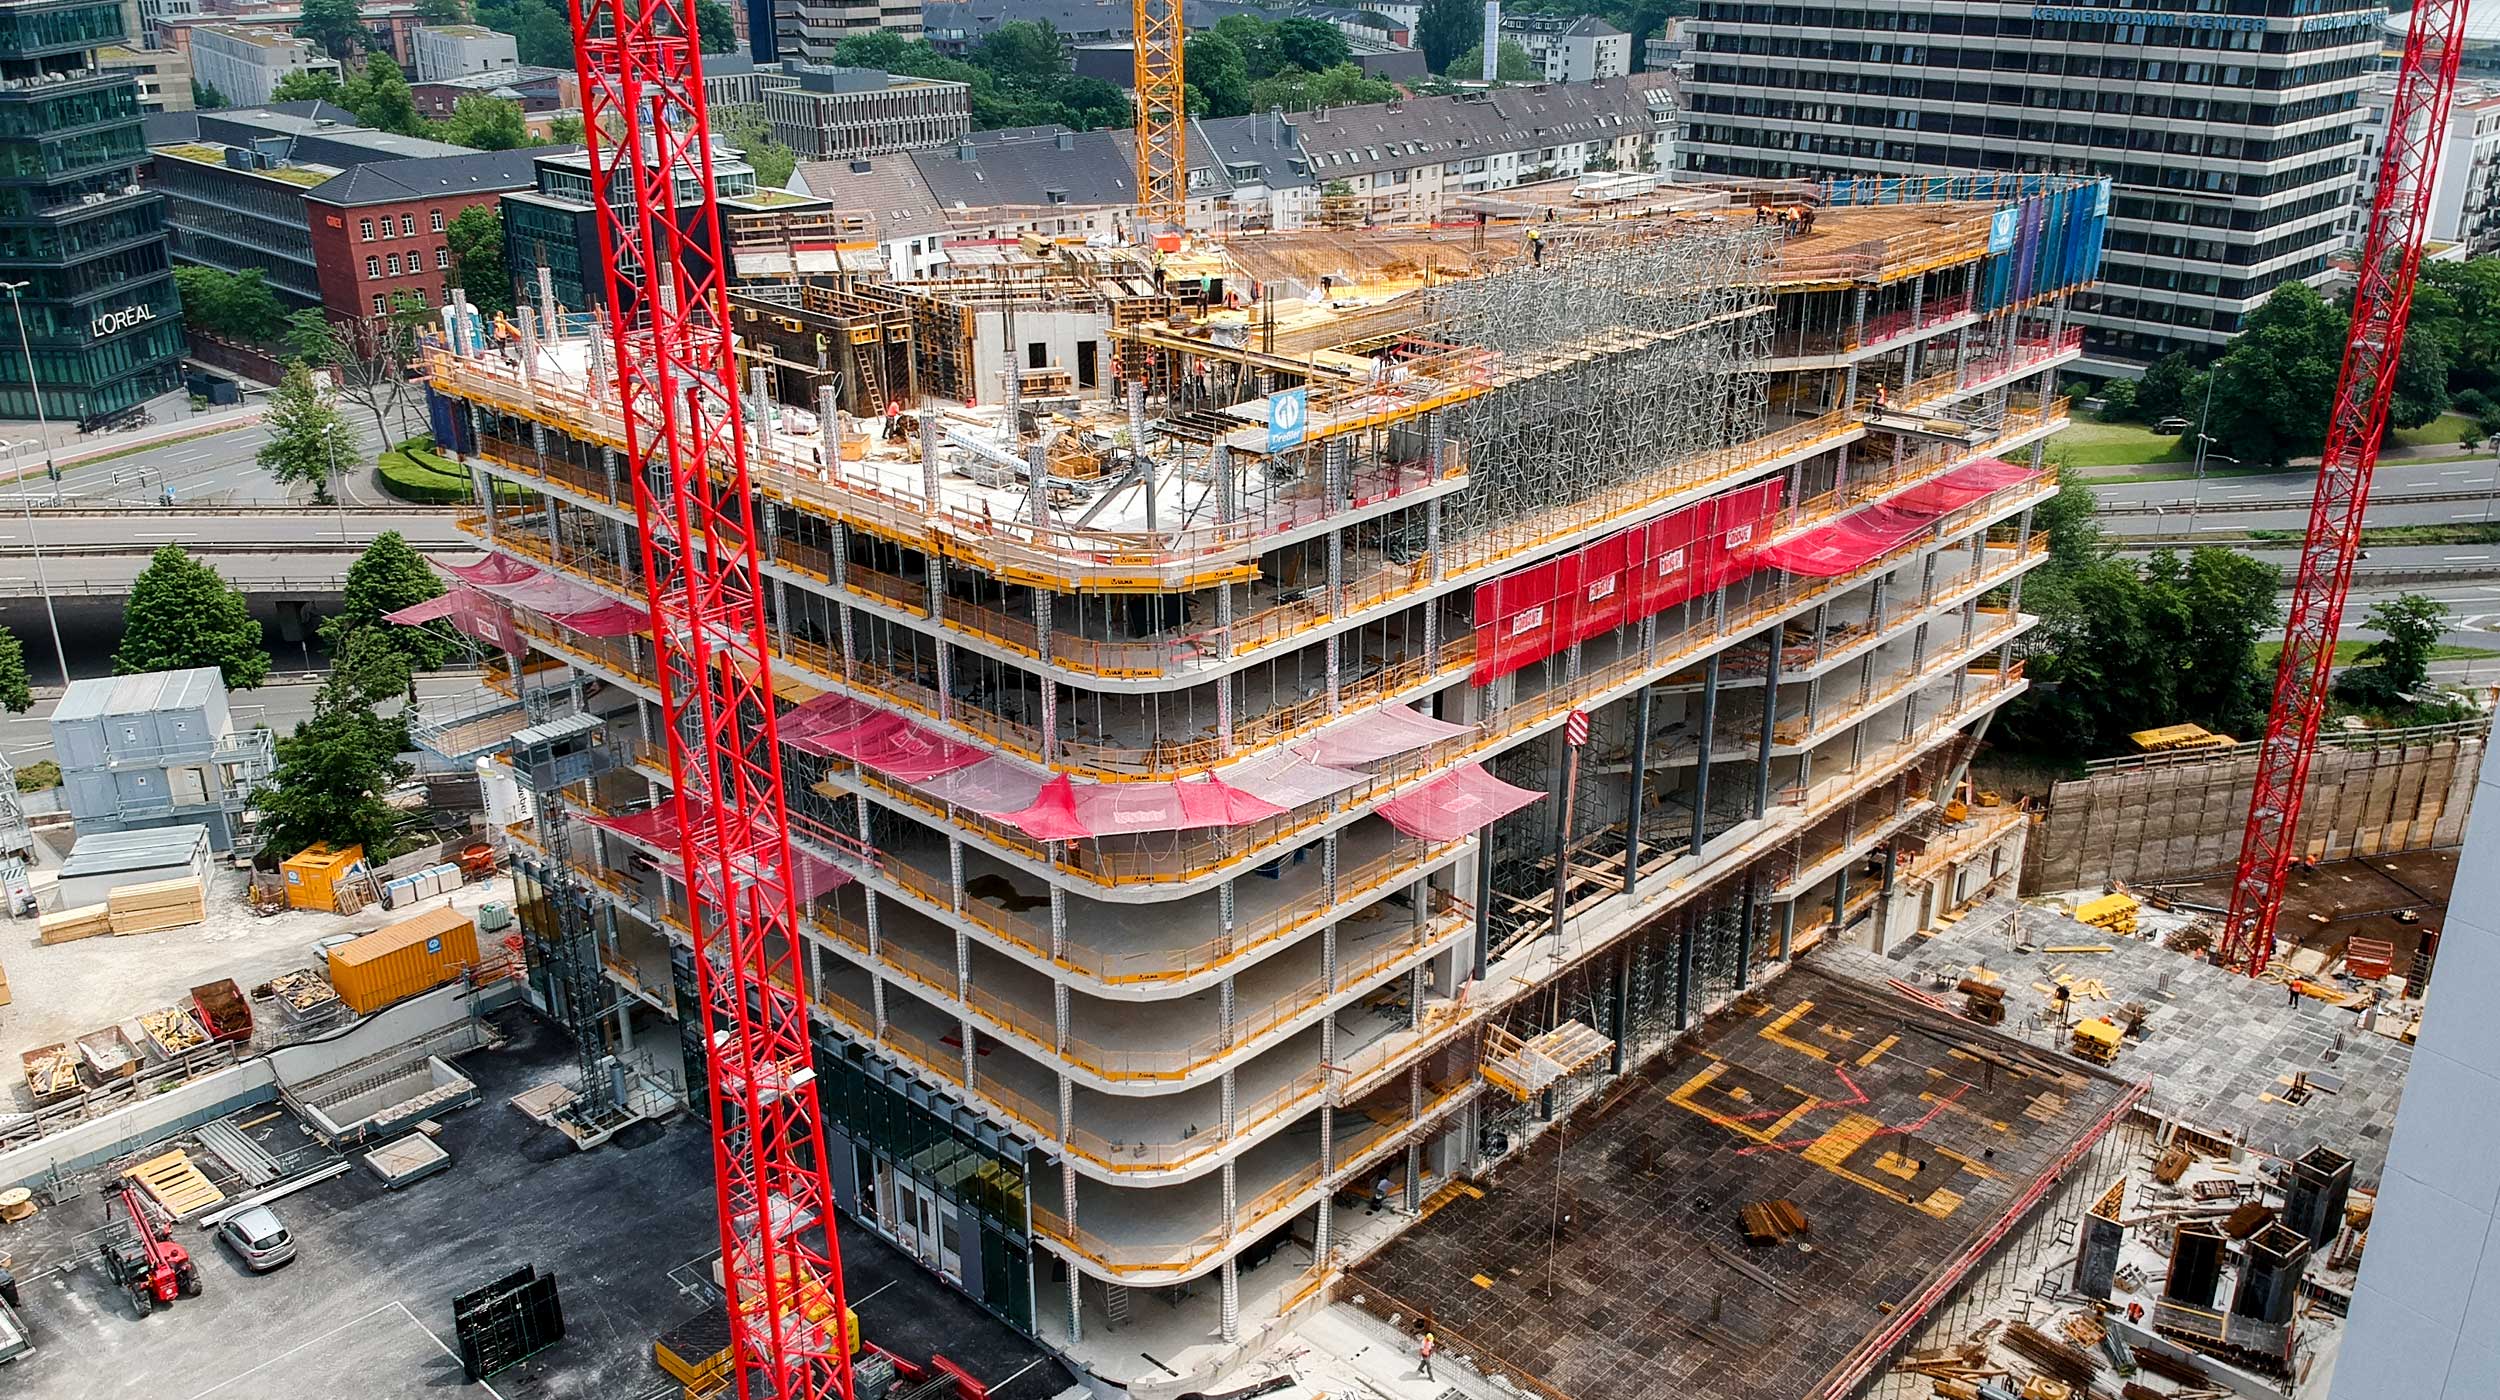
2181,819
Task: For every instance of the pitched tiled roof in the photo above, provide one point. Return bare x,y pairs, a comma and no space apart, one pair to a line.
393,181
1400,135
889,192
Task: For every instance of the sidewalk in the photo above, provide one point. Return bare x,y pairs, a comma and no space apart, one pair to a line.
70,447
2429,452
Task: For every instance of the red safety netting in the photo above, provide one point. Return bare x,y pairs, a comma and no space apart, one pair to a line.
1063,811
1052,814
607,620
1963,485
1289,780
1539,610
896,747
993,786
653,826
493,569
1449,808
822,715
440,606
1864,536
1376,734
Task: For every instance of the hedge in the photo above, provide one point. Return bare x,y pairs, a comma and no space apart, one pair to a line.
414,472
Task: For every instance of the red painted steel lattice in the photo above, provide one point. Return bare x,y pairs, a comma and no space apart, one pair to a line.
2399,219
649,134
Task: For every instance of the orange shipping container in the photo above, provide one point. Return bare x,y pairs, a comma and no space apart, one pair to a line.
400,960
312,874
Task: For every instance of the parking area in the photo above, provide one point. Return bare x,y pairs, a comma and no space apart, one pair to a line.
365,1308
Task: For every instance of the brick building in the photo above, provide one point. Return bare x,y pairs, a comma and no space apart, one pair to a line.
379,229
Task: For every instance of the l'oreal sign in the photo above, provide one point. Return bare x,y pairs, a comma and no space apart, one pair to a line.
121,320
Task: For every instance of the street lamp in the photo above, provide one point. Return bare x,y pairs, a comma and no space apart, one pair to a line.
42,425
338,495
34,541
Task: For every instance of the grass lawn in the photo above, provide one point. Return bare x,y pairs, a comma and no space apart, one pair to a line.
2447,430
2087,444
2348,652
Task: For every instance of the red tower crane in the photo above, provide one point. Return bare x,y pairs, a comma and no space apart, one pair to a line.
2417,129
644,118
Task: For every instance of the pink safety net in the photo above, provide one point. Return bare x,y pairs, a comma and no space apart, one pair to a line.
1862,537
1963,485
1290,781
822,715
1063,811
1449,808
439,606
493,569
660,827
1377,734
894,746
992,787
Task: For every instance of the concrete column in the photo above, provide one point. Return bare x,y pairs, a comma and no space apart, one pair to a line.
1684,975
1621,1024
1762,751
1909,357
1788,927
1044,622
1224,1008
1744,937
1230,1321
1639,803
1224,918
1414,1177
1710,739
1484,902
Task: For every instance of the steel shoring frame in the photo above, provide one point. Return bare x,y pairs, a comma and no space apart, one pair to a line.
646,121
2382,304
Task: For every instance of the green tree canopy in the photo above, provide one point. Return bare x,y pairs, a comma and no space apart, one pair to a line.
335,771
1220,74
17,694
181,614
889,52
745,129
379,97
715,26
309,440
444,12
1022,53
1445,30
1513,65
388,576
238,305
1312,45
477,262
337,27
2275,386
1296,91
2399,662
541,34
320,86
484,123
207,97
565,131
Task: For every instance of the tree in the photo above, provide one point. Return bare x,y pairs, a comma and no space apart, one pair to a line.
388,576
2395,666
379,97
2276,384
1341,86
1023,53
477,261
889,52
368,359
1513,65
1444,31
336,26
182,614
1312,45
17,694
2172,386
441,12
745,129
307,435
717,27
238,305
320,86
484,123
565,131
2118,401
1220,73
207,98
334,771
2225,603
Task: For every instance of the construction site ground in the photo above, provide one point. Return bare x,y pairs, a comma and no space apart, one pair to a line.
365,1308
2325,907
1608,1261
62,991
2223,1051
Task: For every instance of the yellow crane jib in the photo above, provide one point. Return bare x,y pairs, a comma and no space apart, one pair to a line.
1162,117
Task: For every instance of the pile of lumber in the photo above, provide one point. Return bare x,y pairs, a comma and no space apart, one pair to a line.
70,925
173,1030
51,1071
154,907
304,991
1771,1222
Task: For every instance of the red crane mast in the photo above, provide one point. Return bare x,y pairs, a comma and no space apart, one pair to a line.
645,122
2417,129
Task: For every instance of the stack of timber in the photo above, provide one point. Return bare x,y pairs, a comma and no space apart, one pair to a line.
173,1031
70,925
156,906
51,1073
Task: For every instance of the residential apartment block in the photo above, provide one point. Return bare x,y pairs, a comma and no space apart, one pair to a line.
2465,186
1569,49
1176,786
245,63
2231,132
828,113
459,51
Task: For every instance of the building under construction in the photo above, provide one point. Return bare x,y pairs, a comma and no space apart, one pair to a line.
1267,722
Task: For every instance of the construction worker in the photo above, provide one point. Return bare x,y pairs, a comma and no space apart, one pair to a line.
1380,1196
1425,1346
1536,246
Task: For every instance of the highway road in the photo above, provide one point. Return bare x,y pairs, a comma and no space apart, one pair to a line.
2432,492
102,552
213,469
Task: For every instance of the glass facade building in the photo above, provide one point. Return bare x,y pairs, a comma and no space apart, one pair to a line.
2229,128
103,323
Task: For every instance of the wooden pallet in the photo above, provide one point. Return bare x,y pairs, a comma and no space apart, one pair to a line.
177,1185
70,925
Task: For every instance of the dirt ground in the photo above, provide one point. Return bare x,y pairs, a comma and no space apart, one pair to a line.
68,989
2326,907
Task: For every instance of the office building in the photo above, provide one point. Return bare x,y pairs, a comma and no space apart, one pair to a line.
164,76
1176,786
158,749
2230,137
460,51
245,63
378,229
103,322
541,93
552,225
826,113
806,31
2465,186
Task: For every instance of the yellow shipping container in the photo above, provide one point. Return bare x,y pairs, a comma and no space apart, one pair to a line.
312,875
397,961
